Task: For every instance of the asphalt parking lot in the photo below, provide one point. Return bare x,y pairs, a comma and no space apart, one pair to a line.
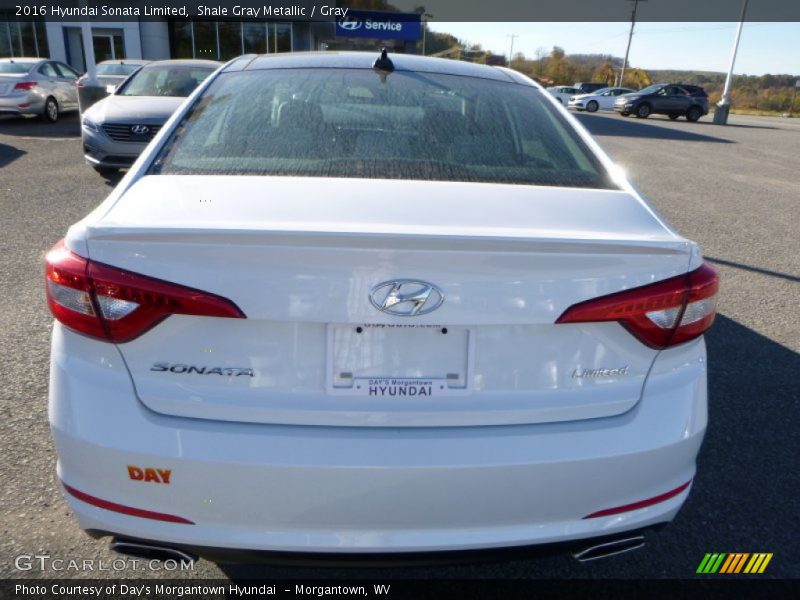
734,189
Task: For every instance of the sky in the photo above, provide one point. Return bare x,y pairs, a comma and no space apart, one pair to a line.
764,47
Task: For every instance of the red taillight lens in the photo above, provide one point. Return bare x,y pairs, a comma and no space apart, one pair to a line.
114,305
25,85
661,314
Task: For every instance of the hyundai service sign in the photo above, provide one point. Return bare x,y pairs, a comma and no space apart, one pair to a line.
380,25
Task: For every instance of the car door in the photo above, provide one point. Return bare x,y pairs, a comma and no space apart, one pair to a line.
66,83
611,96
681,100
670,99
605,99
48,78
567,93
661,100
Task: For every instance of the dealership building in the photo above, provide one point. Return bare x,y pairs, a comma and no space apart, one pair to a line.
207,38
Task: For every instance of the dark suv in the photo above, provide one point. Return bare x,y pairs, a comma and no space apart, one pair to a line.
671,99
587,87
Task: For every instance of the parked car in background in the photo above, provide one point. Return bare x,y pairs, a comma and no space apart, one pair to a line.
117,128
339,311
562,93
603,98
110,73
670,99
587,87
37,86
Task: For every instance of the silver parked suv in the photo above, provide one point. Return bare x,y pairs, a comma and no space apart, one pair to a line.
37,86
116,129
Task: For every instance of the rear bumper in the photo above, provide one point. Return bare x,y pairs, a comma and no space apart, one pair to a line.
21,104
363,490
385,559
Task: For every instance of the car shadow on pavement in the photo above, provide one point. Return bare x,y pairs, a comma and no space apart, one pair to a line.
113,179
737,265
9,154
617,125
709,120
68,125
729,124
743,497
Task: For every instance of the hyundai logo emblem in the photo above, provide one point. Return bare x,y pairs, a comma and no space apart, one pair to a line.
350,24
406,297
140,129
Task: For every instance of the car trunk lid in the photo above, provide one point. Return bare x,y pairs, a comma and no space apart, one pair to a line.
305,260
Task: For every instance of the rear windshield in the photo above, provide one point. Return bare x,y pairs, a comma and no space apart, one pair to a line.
15,67
165,80
355,123
116,69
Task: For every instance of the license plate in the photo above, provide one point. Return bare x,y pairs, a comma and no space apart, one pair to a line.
390,387
399,361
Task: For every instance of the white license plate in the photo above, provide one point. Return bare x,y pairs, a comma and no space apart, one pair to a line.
390,387
399,361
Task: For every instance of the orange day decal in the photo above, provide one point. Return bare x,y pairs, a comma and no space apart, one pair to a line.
149,474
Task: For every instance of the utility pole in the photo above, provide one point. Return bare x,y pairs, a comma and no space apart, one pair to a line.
513,36
630,38
724,105
420,10
424,29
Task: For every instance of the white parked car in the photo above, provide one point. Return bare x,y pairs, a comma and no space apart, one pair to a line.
601,99
562,93
337,309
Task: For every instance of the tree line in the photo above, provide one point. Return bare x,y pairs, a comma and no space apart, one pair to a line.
772,93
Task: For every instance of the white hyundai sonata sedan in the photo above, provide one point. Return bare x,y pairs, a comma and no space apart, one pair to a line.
347,306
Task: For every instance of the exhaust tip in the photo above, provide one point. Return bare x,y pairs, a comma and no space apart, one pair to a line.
608,549
147,551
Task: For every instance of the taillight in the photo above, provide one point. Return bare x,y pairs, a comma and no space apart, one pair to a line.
114,305
661,314
25,85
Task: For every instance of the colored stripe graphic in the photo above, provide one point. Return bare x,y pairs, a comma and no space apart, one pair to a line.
741,562
703,563
734,562
758,563
732,558
711,563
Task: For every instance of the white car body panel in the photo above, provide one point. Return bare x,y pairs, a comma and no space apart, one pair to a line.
329,489
562,97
